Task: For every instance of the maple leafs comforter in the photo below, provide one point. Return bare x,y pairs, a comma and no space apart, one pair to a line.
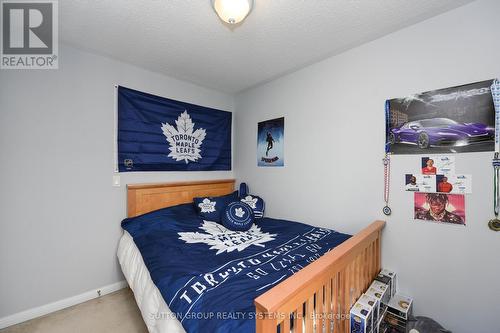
209,276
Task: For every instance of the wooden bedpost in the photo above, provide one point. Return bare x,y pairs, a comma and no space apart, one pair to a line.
321,294
264,322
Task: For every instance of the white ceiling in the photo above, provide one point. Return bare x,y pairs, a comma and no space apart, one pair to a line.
185,39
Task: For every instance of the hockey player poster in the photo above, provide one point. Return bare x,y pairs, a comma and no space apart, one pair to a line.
270,142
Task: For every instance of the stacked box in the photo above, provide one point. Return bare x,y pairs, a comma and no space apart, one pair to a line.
360,319
382,308
382,315
395,323
384,279
383,289
399,311
380,324
383,327
400,306
377,294
372,303
393,280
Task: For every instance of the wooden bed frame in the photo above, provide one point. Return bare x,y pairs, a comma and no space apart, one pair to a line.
318,297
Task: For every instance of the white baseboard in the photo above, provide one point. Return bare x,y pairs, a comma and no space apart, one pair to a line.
59,305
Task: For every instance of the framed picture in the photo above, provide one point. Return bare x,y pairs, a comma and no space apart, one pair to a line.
270,143
451,120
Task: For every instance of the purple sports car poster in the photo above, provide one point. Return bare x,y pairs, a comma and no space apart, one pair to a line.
451,120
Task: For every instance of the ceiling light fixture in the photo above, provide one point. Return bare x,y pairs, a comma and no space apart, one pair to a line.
232,11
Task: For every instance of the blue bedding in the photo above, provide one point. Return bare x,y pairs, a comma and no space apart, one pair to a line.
209,276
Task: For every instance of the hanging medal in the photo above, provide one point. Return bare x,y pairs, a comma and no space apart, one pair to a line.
387,178
494,224
387,163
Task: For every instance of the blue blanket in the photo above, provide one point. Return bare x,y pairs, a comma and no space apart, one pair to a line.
209,276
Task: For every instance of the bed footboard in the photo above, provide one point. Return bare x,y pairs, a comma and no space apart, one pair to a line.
318,297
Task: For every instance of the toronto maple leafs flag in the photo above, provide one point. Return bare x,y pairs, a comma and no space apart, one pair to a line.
161,134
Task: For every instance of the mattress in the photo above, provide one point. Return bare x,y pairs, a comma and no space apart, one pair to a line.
154,310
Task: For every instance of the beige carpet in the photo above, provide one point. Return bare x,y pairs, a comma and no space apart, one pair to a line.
116,312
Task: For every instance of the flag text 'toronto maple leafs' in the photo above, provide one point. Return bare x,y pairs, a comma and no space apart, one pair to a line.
184,142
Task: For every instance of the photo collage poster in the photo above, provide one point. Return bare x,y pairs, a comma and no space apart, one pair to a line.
439,192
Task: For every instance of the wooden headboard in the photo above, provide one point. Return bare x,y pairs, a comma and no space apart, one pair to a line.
144,198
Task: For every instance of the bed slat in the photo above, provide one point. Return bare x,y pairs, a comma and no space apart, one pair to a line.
299,316
336,280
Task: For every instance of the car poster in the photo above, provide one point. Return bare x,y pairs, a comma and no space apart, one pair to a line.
270,143
451,120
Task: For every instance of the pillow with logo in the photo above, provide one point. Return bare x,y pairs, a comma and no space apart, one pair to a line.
238,216
211,208
256,203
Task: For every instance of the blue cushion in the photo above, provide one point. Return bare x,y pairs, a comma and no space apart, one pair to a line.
256,203
243,190
211,208
238,216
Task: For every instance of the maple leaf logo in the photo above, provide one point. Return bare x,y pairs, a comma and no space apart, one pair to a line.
251,201
207,206
239,212
184,142
224,240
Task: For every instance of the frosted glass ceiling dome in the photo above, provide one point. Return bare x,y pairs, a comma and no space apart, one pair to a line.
232,11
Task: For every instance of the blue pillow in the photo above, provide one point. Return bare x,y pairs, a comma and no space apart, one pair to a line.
243,190
238,216
211,208
256,203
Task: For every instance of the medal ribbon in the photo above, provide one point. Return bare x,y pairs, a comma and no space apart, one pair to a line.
386,159
495,93
387,178
387,126
496,172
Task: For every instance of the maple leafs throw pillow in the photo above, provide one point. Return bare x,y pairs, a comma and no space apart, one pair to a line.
238,216
256,203
211,208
